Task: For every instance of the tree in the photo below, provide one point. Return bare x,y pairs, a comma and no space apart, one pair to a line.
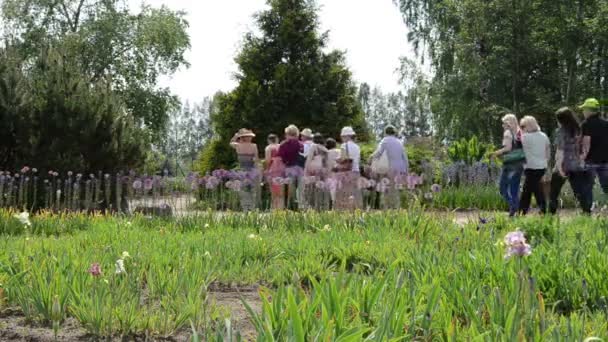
286,77
107,41
54,119
521,56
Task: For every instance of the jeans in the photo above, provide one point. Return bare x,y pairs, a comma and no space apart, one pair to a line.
600,171
510,180
532,186
581,183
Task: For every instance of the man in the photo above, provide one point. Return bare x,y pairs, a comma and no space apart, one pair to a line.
595,142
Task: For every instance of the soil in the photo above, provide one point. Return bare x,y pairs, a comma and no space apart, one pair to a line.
227,299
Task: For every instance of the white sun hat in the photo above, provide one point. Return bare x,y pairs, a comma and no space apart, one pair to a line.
347,132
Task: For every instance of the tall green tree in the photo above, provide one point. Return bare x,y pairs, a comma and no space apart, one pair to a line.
54,119
107,40
285,76
490,57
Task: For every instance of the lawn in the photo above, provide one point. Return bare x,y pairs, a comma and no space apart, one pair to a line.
301,276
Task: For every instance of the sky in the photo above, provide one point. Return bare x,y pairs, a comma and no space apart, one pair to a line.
371,32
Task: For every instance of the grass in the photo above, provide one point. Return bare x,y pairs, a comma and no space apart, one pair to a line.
328,276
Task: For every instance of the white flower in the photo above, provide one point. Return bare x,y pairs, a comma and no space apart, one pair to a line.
120,266
24,218
326,228
254,237
207,255
125,255
206,225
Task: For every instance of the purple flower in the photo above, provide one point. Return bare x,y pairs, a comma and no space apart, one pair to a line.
293,172
212,183
435,188
148,184
25,169
362,183
428,196
106,176
70,173
385,181
35,170
320,185
516,245
92,176
137,184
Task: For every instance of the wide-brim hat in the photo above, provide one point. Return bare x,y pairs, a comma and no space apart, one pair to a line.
347,132
306,132
590,104
244,132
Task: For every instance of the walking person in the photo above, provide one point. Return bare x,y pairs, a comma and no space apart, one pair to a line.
274,170
513,162
568,163
315,173
348,196
247,154
290,152
537,150
595,144
389,161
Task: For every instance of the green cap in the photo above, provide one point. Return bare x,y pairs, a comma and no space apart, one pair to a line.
590,104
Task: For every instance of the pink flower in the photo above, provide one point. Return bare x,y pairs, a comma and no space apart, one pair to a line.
95,270
385,181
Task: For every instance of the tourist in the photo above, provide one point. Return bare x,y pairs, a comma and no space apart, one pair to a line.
316,173
274,172
348,196
537,150
307,143
513,162
290,153
568,164
595,144
333,154
389,161
247,154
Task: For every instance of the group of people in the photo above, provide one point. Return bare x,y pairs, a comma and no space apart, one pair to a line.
306,170
581,156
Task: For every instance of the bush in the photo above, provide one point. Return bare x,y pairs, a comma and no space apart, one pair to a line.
215,155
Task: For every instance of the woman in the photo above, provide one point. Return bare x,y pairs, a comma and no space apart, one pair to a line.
513,162
391,151
247,154
274,170
348,196
537,150
333,154
316,173
290,152
568,164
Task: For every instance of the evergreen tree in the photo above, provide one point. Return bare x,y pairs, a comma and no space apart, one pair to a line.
285,77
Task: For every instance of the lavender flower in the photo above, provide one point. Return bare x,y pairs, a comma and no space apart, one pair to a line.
137,184
516,245
435,188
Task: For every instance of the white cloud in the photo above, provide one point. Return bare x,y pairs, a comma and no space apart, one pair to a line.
370,31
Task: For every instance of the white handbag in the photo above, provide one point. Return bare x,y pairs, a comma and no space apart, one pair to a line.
380,166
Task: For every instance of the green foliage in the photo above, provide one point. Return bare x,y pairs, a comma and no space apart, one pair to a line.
285,77
526,56
55,119
109,42
339,276
468,151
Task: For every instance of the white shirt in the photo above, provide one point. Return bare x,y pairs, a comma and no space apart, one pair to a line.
308,144
535,146
352,151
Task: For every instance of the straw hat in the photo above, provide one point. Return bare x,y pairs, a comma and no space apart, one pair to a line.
244,132
306,132
347,132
